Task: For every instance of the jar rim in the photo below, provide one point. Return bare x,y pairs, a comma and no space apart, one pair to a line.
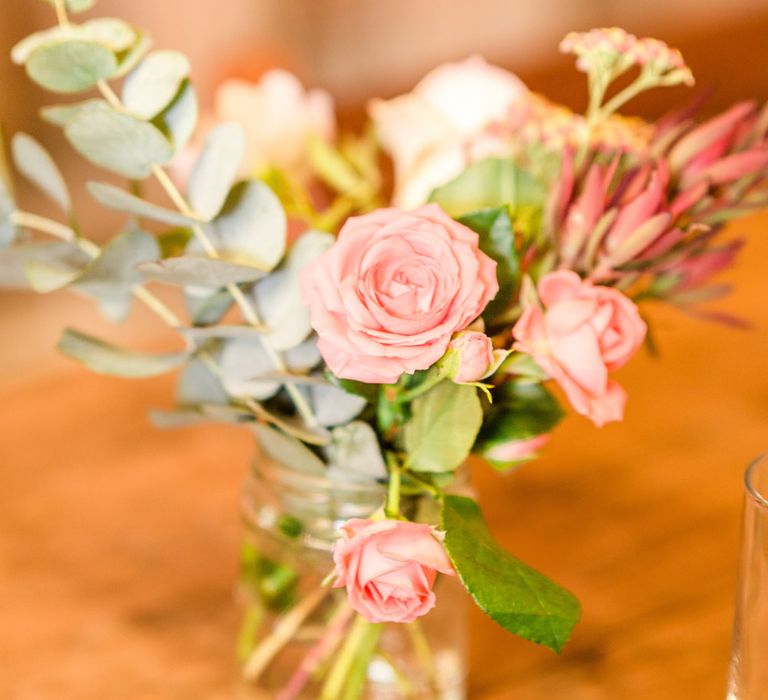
750,480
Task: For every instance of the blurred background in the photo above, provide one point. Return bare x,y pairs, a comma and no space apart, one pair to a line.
118,543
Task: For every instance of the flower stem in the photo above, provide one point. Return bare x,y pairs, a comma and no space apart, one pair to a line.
423,654
393,487
361,632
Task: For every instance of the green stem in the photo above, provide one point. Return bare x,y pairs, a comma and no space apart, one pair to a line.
393,488
423,654
423,388
334,683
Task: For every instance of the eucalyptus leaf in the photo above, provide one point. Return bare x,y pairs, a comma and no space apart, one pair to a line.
497,240
45,277
207,308
36,164
61,115
154,83
104,358
251,228
117,141
334,406
130,58
288,450
278,296
215,169
354,453
443,427
115,198
179,119
198,385
8,229
303,357
112,277
182,417
199,335
115,33
240,363
517,597
15,261
70,66
204,272
75,5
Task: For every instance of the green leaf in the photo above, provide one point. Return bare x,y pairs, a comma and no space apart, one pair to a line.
206,309
112,276
61,115
179,119
104,358
215,169
70,66
75,5
117,141
492,183
130,58
198,385
442,430
354,453
154,83
36,164
64,259
115,198
8,230
288,450
497,240
251,228
332,405
204,272
517,597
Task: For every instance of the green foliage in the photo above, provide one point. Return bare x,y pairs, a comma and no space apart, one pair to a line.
75,5
15,261
204,272
497,240
70,66
179,119
354,454
275,584
288,451
36,164
104,358
117,141
115,198
517,597
154,83
443,427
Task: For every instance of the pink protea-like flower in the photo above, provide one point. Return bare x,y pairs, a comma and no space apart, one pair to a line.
388,296
579,334
389,568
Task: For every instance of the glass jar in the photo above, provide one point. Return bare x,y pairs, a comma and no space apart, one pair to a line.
293,627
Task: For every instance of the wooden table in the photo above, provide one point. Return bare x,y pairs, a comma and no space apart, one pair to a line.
118,544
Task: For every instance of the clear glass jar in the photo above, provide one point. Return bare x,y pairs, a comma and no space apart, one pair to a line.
292,627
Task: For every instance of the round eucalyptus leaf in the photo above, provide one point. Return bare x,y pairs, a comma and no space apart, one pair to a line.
153,84
303,357
118,141
75,5
36,164
179,119
115,198
288,450
354,453
108,31
66,258
130,58
251,228
241,362
61,115
334,406
23,49
204,272
215,169
70,66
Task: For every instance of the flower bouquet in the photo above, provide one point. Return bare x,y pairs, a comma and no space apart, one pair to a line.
375,331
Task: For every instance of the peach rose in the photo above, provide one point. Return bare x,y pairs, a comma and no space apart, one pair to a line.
583,332
388,295
475,356
444,124
389,567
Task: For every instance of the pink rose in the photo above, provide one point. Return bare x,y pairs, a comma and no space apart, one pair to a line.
445,123
389,568
475,356
388,295
516,450
582,332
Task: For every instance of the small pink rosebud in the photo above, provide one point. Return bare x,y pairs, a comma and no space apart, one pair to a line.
474,352
513,451
389,567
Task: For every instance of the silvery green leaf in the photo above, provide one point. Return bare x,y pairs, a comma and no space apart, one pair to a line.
241,362
23,49
251,228
7,203
354,453
334,406
203,272
118,141
201,334
180,118
303,357
109,31
278,297
67,258
288,450
116,198
215,169
111,277
198,385
60,115
44,277
182,417
75,5
206,309
129,59
153,84
104,358
70,66
36,164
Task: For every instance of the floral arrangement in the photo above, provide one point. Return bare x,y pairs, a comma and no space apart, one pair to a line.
381,334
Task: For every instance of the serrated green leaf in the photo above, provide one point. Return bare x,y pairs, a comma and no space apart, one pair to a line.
70,66
288,451
203,272
215,169
497,240
517,597
115,198
443,427
155,82
36,164
117,141
104,358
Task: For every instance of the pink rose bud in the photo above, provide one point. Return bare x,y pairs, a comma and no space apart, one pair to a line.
388,296
579,334
513,451
474,354
389,567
